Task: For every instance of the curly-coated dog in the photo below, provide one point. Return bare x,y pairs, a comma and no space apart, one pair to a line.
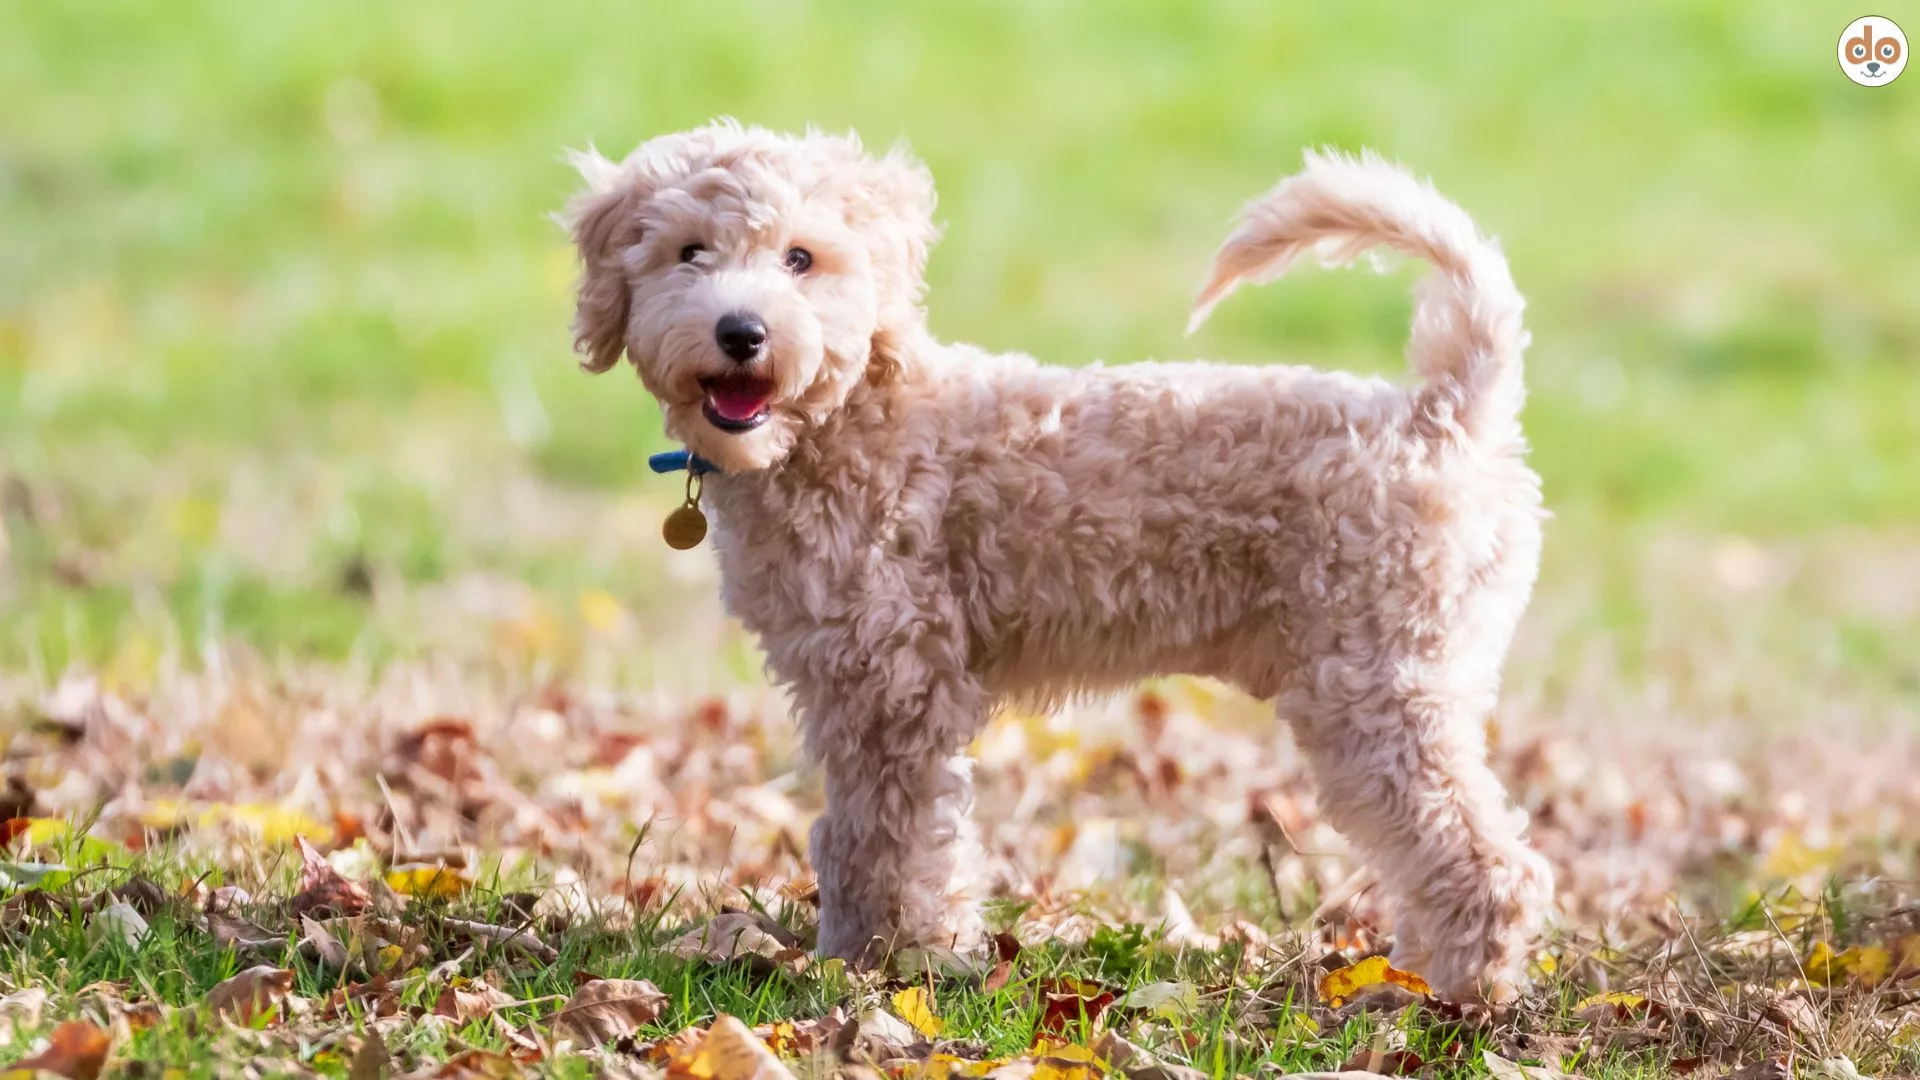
920,532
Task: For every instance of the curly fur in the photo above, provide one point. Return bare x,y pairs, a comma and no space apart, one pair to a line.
925,531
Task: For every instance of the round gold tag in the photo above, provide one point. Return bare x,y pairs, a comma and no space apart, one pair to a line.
685,528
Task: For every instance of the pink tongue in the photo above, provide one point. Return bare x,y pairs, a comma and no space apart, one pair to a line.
738,402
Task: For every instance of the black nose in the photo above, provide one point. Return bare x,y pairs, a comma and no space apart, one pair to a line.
1873,65
740,334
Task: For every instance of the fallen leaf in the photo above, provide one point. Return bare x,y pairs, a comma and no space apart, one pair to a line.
732,936
1339,985
1071,1001
1610,1007
21,1009
1064,1061
798,1038
32,875
325,947
728,1052
428,882
608,1009
939,1066
478,1065
78,1050
1136,1062
118,922
1865,964
998,978
323,891
891,1032
1168,1000
240,934
518,939
466,1000
915,1006
255,992
371,1061
1383,1062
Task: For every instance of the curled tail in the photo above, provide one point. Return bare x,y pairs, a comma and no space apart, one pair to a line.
1467,334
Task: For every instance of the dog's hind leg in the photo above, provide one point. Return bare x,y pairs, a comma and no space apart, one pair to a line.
1400,761
896,850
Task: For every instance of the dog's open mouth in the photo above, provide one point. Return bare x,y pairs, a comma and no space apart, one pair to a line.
737,403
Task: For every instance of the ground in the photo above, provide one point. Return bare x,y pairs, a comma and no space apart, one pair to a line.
312,528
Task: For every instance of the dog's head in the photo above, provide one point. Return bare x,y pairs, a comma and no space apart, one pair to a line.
754,279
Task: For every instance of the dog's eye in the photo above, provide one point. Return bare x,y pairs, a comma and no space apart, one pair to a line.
691,252
799,260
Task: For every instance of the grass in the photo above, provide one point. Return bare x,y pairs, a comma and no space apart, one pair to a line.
1248,1006
289,426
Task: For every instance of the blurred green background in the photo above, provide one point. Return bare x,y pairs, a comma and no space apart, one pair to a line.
283,320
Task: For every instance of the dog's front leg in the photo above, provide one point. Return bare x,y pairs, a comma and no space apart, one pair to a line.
896,851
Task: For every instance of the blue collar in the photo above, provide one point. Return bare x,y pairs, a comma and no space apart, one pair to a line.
676,460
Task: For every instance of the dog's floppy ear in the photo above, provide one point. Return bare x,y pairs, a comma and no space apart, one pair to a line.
604,224
895,203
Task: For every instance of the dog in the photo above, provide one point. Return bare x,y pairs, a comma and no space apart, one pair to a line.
921,532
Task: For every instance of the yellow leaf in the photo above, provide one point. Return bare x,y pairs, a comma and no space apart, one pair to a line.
1547,963
1056,1060
1618,998
42,831
1868,965
915,1007
1793,857
430,882
278,824
271,824
728,1052
1872,965
165,814
948,1067
600,610
1337,986
1296,1027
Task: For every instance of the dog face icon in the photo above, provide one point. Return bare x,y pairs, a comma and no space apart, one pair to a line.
1873,51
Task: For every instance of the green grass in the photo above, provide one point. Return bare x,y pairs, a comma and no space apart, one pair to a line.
303,253
1229,1010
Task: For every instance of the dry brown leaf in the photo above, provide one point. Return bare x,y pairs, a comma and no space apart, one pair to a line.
319,942
478,1065
608,1009
464,1000
730,936
518,939
323,890
799,1038
241,935
371,1060
251,994
729,1052
78,1050
1383,1062
21,1009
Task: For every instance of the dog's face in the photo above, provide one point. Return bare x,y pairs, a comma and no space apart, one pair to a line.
753,279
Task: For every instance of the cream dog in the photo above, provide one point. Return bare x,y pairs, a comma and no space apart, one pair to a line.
920,532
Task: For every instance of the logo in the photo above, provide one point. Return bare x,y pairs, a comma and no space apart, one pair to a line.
1873,51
